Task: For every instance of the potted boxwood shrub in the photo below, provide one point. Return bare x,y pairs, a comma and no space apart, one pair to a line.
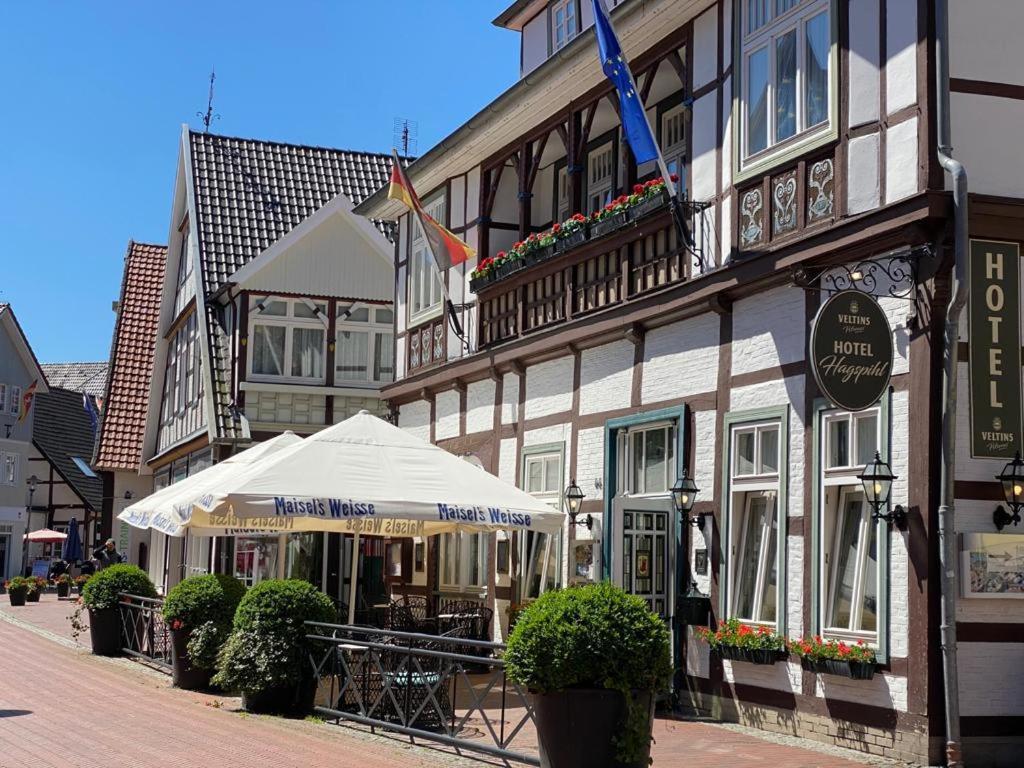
834,657
266,656
100,598
17,589
199,612
593,658
63,583
737,641
35,590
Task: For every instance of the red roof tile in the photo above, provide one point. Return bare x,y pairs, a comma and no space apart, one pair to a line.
131,358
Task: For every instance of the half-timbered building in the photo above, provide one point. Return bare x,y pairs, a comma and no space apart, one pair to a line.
806,135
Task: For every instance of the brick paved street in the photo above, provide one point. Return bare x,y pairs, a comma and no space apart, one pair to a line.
60,706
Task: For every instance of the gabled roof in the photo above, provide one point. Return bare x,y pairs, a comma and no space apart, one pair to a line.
250,193
20,341
63,432
78,377
131,358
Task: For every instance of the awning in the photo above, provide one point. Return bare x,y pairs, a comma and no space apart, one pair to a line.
45,536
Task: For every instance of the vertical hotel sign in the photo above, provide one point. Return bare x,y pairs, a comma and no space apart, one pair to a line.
995,358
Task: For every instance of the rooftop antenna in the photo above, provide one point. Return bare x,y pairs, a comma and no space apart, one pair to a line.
406,136
209,117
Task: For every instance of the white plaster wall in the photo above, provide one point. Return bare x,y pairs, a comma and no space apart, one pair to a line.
535,42
864,61
780,677
899,558
400,359
726,34
982,127
458,207
549,387
704,143
507,461
400,302
794,586
705,47
446,415
901,160
991,677
510,398
897,311
590,462
480,406
557,434
863,188
768,330
998,24
414,418
698,655
704,446
901,49
681,359
606,377
888,691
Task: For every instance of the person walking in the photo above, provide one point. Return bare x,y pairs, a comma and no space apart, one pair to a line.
107,555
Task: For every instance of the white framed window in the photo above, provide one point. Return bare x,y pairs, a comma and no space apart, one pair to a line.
563,203
564,25
754,484
647,458
600,177
288,340
543,476
463,562
849,538
185,288
540,553
365,344
673,142
425,287
15,405
9,468
786,62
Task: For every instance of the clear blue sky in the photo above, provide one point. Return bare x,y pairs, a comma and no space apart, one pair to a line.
93,97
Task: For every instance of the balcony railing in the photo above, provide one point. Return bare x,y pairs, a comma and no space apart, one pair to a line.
612,265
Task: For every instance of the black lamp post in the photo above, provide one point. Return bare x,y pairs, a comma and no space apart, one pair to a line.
573,502
877,480
684,493
1012,479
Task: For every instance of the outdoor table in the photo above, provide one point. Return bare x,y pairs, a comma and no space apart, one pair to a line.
357,693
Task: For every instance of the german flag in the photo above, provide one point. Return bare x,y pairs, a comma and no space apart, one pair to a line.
26,401
448,250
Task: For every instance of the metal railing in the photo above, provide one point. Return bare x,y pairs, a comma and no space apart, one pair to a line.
445,689
144,634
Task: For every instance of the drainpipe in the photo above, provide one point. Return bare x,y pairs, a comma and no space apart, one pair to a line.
947,531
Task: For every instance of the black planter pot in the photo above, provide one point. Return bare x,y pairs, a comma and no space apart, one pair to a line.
33,595
63,590
855,670
105,631
765,656
610,224
576,728
291,701
17,596
571,241
540,255
476,283
648,206
183,674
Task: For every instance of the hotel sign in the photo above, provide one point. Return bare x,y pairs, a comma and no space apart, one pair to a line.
851,350
995,358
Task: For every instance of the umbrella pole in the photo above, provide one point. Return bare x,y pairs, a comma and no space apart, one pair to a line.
352,579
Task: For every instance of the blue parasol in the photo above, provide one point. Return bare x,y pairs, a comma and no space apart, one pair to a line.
73,543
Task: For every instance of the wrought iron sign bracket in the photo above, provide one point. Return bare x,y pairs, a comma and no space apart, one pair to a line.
891,275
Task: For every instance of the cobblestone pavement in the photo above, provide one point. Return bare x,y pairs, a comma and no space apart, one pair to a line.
62,707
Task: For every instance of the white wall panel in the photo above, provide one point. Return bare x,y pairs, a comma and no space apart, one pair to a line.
901,49
901,160
681,359
864,61
864,190
480,406
549,387
510,399
985,41
705,48
704,144
768,330
535,42
414,418
983,127
606,377
446,420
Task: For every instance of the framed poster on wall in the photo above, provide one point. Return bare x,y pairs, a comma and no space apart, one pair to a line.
992,565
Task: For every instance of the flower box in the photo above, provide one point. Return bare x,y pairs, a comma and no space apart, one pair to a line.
476,283
855,670
571,240
540,255
609,224
763,656
648,206
508,268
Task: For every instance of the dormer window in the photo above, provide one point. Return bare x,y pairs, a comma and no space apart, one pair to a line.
564,23
425,288
288,340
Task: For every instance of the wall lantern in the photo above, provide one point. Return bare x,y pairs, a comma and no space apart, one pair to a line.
1012,479
573,502
684,493
877,481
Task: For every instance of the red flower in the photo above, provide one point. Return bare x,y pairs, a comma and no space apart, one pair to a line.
501,255
674,177
516,246
556,228
177,624
532,237
638,189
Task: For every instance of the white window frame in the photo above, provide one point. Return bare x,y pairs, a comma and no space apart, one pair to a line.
290,323
675,152
757,430
860,570
563,200
767,539
853,446
9,463
15,405
550,548
426,289
462,562
764,38
570,26
372,327
625,437
599,190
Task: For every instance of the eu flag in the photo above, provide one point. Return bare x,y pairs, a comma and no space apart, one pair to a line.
634,120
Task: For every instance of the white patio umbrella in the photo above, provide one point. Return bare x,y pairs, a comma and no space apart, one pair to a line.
45,536
169,509
365,476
